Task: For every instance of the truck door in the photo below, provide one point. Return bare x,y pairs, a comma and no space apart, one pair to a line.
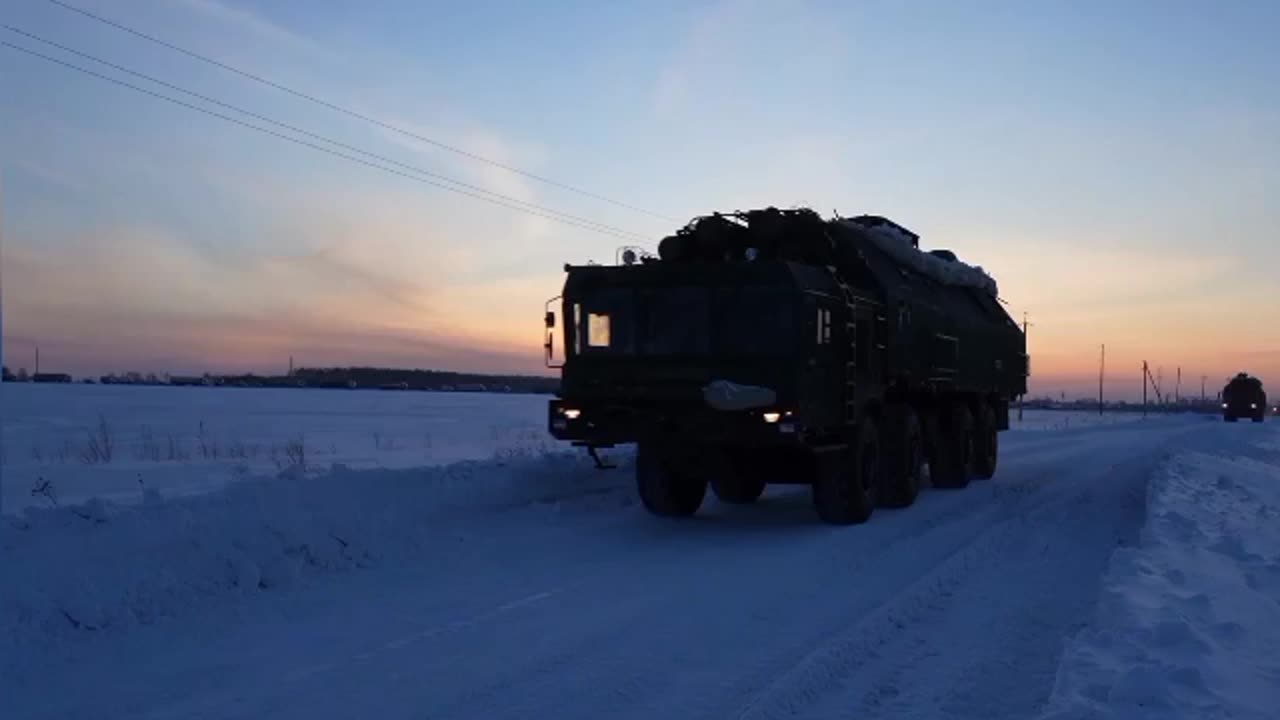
823,379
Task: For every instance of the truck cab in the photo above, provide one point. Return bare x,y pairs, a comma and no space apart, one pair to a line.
740,353
1244,397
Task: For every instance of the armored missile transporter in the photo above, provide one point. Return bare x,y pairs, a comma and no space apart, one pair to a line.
1243,396
778,347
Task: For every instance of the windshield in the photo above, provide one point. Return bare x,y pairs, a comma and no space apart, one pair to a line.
671,321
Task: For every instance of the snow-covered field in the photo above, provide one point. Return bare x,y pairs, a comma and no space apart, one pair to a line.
1115,568
115,442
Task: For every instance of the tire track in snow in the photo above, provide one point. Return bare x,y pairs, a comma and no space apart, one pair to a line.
649,636
993,650
656,589
406,641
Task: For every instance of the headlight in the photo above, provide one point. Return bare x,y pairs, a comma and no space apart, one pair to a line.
1253,406
772,417
571,413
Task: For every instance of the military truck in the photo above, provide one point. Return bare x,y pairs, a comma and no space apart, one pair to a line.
1243,396
776,346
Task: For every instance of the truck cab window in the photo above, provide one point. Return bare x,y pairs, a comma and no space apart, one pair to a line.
677,321
598,329
604,321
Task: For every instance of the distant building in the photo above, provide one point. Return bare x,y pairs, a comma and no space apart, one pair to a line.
51,378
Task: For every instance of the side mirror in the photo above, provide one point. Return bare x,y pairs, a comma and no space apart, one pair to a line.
549,319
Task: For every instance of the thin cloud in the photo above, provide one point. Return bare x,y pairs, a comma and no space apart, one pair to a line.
719,55
331,267
249,22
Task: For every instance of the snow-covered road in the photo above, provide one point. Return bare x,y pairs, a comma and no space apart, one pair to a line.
579,605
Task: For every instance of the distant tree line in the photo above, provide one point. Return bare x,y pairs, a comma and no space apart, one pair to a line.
396,378
339,377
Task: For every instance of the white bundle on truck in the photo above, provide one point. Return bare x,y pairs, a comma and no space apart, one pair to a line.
901,246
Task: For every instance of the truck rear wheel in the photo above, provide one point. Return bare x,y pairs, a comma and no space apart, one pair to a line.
846,493
986,444
664,489
949,463
903,457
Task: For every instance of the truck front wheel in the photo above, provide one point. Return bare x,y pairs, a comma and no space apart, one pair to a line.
844,492
664,489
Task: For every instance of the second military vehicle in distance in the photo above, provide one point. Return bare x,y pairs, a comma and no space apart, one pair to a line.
1244,396
775,346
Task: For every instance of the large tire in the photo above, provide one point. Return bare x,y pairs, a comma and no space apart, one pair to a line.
664,490
986,444
847,495
951,459
902,457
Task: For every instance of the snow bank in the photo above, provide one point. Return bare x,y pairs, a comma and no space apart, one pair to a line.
99,567
1189,622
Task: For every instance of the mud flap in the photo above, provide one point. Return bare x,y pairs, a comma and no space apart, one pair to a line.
601,464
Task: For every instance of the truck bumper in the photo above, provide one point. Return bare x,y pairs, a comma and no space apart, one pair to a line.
1241,410
607,425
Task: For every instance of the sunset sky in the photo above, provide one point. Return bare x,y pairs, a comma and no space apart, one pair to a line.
1116,167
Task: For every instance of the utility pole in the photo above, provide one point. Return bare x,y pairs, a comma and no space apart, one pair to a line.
2,447
1203,378
37,360
1145,374
1025,325
1177,391
1102,369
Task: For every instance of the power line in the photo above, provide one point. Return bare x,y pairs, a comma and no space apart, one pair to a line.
587,221
496,199
347,111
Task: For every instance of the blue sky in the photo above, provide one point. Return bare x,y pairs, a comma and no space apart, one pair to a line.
1114,165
